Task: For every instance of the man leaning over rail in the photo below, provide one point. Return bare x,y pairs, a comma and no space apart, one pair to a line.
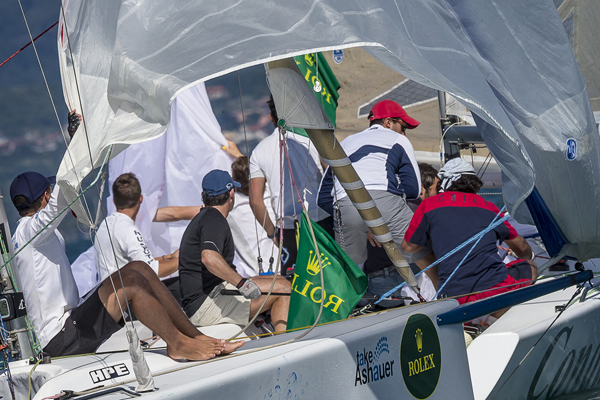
206,266
67,324
454,216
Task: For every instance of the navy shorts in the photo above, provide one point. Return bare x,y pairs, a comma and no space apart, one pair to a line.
88,326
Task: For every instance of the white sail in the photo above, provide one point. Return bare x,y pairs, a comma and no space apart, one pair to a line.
170,169
510,62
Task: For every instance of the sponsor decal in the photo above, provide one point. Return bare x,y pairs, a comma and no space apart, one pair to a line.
338,56
315,292
571,149
576,371
420,356
375,364
106,373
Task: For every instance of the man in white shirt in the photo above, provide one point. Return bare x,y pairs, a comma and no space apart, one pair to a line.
118,231
385,161
249,238
66,324
266,163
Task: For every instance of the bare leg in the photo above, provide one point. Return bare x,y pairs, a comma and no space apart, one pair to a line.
534,270
177,316
279,305
151,312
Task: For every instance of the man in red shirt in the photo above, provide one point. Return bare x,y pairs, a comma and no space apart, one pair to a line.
454,216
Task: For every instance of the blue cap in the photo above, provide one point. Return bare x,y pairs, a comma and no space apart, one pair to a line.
217,182
31,185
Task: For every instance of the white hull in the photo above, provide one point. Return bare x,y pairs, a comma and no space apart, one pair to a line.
565,361
325,364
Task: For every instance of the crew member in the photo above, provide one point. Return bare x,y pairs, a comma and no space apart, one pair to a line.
250,239
206,268
66,324
454,216
265,172
385,161
118,241
380,270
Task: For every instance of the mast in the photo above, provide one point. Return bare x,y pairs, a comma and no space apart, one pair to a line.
298,107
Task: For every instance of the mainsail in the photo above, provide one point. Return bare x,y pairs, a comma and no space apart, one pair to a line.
500,59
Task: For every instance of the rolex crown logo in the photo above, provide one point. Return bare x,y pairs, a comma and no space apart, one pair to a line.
313,262
419,337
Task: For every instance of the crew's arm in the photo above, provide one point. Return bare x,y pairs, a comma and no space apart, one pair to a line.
258,206
176,213
232,150
48,216
432,272
217,266
520,247
168,264
408,247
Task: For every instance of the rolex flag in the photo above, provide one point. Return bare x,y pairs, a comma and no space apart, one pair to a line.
345,283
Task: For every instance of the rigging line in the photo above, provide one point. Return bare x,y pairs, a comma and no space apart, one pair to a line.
79,180
467,255
485,164
62,10
248,155
58,215
28,44
197,363
277,267
538,341
101,211
456,249
292,183
35,343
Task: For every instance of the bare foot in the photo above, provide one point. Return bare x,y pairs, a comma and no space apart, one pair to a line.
230,347
197,349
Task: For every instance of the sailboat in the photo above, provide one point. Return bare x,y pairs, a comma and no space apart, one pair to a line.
497,59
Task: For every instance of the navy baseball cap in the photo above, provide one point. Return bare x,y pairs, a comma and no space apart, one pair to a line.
31,185
217,182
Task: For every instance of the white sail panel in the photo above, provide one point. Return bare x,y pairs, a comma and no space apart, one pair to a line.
510,62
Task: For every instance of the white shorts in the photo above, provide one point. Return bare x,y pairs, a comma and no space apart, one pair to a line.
220,309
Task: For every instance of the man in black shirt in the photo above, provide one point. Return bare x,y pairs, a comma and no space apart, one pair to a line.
206,266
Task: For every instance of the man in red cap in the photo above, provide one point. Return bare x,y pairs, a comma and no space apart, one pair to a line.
385,161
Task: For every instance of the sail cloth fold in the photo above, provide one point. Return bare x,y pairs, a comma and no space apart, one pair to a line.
170,169
509,62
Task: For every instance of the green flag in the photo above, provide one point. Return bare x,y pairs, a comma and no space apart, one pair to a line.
321,78
345,283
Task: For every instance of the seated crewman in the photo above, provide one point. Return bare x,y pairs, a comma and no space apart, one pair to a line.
454,216
119,232
66,324
205,266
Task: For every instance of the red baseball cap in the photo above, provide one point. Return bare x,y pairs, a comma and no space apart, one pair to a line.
391,109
